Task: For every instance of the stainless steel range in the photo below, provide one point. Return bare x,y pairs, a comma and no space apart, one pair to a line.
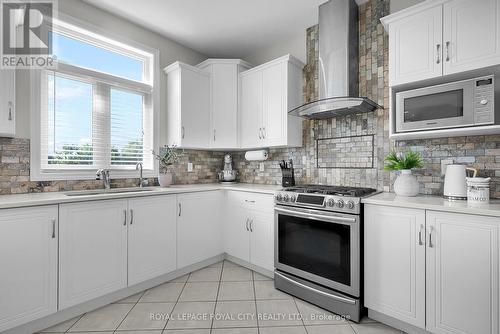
318,246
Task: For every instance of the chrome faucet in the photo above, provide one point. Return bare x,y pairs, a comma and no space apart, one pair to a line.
141,182
103,175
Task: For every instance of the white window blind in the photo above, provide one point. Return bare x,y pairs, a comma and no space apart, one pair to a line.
96,108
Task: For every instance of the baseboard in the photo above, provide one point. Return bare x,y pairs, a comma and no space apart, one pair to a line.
71,312
249,265
398,324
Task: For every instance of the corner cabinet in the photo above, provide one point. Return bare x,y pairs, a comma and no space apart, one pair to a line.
199,235
268,93
28,258
442,37
188,106
436,271
224,100
7,103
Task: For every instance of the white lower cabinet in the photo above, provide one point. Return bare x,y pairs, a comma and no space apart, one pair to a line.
28,262
152,238
249,228
462,273
434,270
199,227
395,262
92,250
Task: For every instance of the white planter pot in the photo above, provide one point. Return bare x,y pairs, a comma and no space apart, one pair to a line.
165,179
406,184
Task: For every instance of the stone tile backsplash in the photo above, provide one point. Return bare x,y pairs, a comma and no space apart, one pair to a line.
482,152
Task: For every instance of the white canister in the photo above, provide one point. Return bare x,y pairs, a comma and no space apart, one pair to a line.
478,190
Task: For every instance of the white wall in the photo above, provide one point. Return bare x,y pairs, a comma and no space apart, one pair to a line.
296,46
170,51
397,5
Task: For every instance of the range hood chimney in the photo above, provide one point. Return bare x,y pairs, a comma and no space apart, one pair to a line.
338,64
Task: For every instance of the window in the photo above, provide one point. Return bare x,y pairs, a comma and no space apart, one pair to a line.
96,108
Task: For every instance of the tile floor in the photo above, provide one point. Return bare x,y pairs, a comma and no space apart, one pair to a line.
239,300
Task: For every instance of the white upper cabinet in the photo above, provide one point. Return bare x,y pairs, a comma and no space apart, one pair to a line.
415,51
188,106
268,93
224,97
7,103
395,263
462,274
152,237
251,109
441,37
28,258
92,250
471,34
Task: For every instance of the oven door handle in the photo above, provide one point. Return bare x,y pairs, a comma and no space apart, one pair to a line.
316,216
326,294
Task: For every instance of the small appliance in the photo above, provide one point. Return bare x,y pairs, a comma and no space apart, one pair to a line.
457,104
455,182
318,246
228,173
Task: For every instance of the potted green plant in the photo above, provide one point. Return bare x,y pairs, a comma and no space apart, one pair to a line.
167,156
406,184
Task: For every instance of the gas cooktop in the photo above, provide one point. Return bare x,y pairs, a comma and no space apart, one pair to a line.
331,190
322,197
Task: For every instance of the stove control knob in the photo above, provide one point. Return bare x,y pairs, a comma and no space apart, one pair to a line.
331,202
285,198
340,203
351,205
292,198
279,197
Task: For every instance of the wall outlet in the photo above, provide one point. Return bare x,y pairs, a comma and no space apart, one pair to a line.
261,167
190,167
445,163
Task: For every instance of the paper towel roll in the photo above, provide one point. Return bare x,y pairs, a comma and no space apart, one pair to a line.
260,155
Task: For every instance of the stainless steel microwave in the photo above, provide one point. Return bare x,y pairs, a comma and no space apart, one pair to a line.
457,104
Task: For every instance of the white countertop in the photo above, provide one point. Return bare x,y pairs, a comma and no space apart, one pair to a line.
48,198
435,203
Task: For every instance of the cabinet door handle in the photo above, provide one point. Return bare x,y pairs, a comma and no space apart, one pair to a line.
180,209
420,242
447,50
260,133
214,134
246,224
251,225
124,217
53,228
131,216
247,201
10,110
183,132
438,48
431,245
264,133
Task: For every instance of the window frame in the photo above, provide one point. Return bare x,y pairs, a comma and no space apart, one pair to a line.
88,33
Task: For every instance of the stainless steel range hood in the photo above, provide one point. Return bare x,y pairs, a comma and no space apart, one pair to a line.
338,64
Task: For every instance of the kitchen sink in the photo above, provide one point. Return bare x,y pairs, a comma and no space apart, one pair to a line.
107,191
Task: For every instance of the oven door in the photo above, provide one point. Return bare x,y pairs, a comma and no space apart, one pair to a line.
444,106
318,246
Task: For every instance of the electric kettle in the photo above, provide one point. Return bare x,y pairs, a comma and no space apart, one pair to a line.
455,182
